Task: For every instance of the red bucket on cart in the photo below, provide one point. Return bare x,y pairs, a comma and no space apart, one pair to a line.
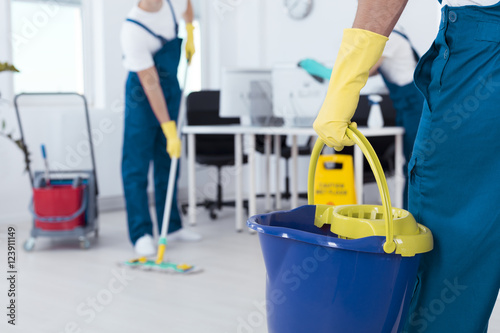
59,207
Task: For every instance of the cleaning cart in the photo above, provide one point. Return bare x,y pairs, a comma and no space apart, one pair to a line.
337,269
64,203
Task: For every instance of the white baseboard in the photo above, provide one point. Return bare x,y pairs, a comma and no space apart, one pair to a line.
115,203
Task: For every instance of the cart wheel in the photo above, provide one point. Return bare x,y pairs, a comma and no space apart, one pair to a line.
29,244
85,244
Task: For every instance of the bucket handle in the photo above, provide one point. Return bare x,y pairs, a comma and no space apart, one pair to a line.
367,149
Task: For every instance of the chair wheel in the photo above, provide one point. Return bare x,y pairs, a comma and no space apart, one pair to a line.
96,233
213,216
184,210
29,244
84,244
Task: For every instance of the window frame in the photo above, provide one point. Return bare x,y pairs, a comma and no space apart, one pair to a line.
89,77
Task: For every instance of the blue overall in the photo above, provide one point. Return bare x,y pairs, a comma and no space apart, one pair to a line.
144,141
408,102
455,173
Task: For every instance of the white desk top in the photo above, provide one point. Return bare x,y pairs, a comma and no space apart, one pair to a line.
237,129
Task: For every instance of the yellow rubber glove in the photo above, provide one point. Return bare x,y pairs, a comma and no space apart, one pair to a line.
174,146
190,49
359,52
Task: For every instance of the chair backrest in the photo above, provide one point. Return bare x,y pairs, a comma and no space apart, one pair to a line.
363,111
203,109
383,144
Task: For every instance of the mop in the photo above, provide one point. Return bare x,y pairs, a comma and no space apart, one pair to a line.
158,264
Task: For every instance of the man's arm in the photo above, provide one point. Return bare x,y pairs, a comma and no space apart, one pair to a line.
379,16
360,50
188,15
150,81
374,70
188,18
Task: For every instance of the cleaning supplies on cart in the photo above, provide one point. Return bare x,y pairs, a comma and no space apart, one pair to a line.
59,206
64,204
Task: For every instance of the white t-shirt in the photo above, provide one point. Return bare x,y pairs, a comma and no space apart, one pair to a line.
458,3
138,45
399,63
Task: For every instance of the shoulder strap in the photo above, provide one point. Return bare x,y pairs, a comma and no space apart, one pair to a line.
415,53
162,39
173,16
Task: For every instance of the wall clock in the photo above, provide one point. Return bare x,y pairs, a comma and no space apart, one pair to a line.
298,9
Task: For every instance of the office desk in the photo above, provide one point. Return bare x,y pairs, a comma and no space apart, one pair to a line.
239,131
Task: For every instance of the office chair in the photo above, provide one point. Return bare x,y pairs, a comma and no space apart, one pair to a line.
202,108
384,146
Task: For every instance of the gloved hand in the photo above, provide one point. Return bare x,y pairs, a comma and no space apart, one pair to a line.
174,146
359,52
190,49
315,68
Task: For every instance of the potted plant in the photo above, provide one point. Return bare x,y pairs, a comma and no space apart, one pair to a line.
6,67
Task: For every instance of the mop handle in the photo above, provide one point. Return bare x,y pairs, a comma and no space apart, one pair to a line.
46,162
367,149
162,242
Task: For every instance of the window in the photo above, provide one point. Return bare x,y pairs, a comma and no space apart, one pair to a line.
47,43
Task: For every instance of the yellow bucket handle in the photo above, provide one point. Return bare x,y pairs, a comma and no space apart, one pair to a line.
367,149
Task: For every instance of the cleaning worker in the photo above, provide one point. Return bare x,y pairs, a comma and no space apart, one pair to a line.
455,166
151,53
396,66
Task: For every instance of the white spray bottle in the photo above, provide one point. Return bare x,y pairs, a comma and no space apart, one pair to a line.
375,119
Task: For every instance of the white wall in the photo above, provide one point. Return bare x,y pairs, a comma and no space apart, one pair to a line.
259,33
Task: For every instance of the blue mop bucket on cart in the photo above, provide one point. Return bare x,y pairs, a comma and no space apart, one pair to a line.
341,269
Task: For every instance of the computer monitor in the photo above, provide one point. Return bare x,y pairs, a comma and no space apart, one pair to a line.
246,92
297,96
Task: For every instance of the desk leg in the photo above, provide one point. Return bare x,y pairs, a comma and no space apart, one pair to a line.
358,173
399,175
252,202
238,164
267,151
294,180
277,154
191,179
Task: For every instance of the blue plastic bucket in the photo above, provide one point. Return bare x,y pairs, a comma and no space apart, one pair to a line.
361,282
317,282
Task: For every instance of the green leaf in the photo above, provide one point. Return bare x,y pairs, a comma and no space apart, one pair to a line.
7,67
